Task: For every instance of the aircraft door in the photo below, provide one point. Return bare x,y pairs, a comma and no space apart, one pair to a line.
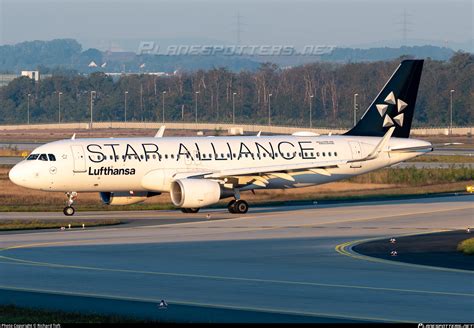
78,158
355,149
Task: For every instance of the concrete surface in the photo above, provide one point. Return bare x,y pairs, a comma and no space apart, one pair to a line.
289,260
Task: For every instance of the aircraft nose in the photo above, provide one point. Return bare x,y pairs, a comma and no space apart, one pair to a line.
17,175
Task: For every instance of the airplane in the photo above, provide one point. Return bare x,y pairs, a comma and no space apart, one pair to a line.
200,171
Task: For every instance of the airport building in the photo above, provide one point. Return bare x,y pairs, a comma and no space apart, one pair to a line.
6,78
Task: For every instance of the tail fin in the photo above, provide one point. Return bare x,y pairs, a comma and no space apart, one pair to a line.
394,105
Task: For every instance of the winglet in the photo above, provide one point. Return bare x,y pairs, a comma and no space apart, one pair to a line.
259,133
381,145
73,137
160,132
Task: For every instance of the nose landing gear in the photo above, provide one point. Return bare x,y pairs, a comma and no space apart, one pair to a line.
69,210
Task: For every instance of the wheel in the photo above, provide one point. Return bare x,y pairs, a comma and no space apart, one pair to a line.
230,206
69,211
241,206
190,210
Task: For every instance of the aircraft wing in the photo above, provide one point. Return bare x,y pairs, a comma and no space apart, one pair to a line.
255,173
274,169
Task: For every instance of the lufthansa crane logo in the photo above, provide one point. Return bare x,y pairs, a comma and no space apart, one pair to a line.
382,108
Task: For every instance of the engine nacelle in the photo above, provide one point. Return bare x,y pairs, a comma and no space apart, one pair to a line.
125,198
196,193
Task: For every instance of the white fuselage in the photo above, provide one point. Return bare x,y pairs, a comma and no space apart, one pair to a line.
151,164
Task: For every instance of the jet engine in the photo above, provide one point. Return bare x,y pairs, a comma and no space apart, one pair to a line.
125,198
196,193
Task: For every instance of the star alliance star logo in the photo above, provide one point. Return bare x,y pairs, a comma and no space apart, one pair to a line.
382,108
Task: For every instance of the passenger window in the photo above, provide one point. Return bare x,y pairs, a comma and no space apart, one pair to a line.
276,155
335,154
32,157
166,156
43,157
329,154
324,154
203,155
52,158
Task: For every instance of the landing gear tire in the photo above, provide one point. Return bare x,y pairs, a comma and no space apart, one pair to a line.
230,206
69,211
241,206
238,206
190,210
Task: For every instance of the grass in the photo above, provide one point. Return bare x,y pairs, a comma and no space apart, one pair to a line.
10,314
412,176
12,151
6,225
467,246
443,159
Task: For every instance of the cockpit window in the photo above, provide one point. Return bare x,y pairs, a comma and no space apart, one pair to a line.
32,157
52,158
43,157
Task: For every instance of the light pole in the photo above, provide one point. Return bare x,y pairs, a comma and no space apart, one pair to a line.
59,106
311,111
125,105
92,106
164,93
233,107
451,112
28,110
196,105
355,108
141,100
269,109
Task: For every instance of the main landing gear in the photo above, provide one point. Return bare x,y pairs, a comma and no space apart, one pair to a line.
238,206
190,210
69,210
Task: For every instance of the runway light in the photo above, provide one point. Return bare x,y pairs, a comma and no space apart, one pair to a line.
83,226
69,226
393,240
208,216
63,228
468,230
393,253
